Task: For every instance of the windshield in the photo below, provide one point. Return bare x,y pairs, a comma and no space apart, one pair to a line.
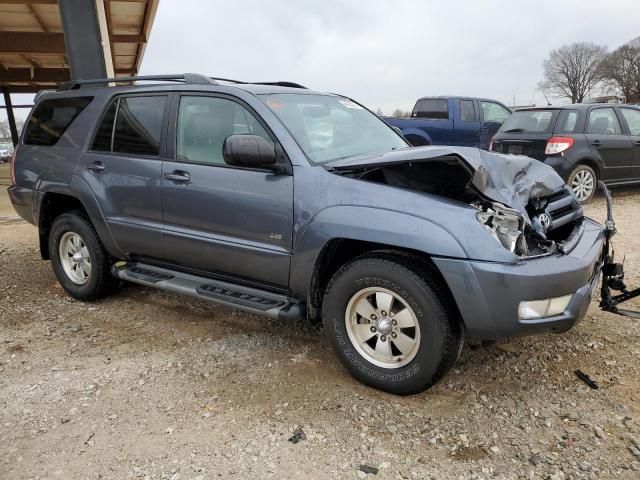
528,121
330,128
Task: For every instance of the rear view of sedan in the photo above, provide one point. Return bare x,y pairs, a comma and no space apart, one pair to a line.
583,143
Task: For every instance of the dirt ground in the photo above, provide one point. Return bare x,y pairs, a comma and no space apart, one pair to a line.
147,384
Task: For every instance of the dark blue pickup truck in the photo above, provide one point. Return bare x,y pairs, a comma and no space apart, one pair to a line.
462,121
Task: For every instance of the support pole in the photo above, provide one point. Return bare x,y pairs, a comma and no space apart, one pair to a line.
12,119
83,38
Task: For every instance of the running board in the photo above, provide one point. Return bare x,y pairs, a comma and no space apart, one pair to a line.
252,300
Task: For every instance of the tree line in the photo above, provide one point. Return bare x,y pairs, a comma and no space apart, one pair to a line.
579,70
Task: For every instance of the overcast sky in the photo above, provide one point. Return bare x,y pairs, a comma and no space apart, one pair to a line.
383,53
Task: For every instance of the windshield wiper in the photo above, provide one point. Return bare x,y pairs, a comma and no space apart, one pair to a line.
514,130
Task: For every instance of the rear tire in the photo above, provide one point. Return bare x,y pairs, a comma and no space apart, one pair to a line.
583,181
404,350
79,260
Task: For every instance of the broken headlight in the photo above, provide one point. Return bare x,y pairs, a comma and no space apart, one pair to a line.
505,225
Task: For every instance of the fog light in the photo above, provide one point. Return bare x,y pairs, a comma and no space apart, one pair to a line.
543,308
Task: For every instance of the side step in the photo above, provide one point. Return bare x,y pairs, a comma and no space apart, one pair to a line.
249,299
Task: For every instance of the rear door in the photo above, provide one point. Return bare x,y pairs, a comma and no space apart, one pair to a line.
466,125
237,222
123,168
631,117
608,141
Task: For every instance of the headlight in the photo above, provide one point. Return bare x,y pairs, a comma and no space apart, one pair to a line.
505,225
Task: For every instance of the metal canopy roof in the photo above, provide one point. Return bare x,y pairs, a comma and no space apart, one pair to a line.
33,54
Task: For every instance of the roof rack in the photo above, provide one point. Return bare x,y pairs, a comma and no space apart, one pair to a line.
188,78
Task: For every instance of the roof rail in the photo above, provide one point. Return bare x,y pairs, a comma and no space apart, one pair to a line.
277,84
188,78
281,84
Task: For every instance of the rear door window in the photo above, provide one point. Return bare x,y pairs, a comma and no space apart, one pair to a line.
603,121
431,108
137,129
51,118
632,117
467,111
567,121
104,134
139,125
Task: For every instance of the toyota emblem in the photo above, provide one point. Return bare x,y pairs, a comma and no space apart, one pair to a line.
545,221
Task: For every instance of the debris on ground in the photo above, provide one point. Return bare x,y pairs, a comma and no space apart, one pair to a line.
586,379
298,435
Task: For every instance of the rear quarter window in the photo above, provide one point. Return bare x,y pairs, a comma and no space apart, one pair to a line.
431,108
567,121
51,118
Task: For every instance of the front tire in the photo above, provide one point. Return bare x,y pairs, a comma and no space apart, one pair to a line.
79,260
390,324
583,182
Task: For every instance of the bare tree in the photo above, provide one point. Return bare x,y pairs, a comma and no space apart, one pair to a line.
621,70
571,71
4,130
379,112
399,113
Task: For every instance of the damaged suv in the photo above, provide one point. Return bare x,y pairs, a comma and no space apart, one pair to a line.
291,204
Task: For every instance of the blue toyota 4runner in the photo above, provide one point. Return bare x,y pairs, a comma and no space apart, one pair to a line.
290,203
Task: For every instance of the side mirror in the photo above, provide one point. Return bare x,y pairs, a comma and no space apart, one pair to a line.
251,151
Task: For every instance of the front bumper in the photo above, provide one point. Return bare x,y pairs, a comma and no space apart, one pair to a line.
488,294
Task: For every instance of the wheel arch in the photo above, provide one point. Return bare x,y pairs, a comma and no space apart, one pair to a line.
51,204
339,251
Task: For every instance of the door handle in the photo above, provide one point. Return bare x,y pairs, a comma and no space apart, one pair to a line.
95,167
637,143
596,143
177,176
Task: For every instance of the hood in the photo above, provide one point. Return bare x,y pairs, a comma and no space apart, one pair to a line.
511,180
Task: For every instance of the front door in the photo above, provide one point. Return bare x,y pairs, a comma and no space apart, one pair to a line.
493,116
123,167
608,141
218,219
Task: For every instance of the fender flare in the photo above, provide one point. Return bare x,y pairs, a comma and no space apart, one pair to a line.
386,227
416,132
81,191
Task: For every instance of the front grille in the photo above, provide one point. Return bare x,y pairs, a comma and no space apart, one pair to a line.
561,212
563,208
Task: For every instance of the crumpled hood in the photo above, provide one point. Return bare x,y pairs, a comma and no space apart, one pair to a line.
508,179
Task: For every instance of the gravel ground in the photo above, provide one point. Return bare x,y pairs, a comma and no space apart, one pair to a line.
151,385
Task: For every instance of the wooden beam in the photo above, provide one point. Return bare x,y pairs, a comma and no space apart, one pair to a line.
32,42
34,75
28,88
127,38
30,2
34,12
30,61
46,42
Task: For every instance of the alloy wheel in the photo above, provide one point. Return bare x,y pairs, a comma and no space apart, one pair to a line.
75,258
382,327
583,184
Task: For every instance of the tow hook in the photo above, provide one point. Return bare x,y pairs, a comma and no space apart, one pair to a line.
612,272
